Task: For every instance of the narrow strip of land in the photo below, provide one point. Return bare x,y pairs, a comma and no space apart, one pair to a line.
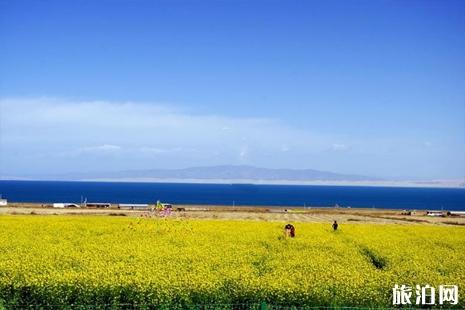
272,214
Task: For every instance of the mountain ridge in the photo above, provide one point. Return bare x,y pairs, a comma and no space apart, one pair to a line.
222,172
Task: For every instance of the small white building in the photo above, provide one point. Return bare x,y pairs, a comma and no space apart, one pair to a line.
65,205
133,206
457,213
98,205
436,213
3,202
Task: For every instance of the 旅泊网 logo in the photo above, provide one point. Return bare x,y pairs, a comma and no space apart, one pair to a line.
425,295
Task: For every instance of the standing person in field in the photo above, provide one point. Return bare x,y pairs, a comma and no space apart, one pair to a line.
335,225
289,230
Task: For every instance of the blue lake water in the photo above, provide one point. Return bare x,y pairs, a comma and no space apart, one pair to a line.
235,194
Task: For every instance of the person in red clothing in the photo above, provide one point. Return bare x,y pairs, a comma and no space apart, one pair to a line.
289,230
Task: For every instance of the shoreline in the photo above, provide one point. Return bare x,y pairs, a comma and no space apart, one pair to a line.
218,207
236,207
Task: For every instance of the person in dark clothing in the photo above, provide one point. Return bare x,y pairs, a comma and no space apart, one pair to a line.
335,225
289,230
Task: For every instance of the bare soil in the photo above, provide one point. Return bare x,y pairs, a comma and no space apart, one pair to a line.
278,214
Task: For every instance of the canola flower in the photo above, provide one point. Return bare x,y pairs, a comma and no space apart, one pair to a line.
106,262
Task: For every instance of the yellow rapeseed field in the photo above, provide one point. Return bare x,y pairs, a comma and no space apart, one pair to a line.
101,262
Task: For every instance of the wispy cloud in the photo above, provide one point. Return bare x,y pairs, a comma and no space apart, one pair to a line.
339,147
157,151
243,152
99,149
50,135
136,133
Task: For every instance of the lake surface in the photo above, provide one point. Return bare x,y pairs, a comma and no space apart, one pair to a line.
235,194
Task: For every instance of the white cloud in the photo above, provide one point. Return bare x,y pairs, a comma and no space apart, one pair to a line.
339,147
243,153
49,135
157,150
105,148
133,134
153,150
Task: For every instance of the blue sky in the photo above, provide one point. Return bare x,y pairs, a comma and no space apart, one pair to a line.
367,87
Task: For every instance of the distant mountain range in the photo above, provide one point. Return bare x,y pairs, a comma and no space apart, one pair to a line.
241,174
226,172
